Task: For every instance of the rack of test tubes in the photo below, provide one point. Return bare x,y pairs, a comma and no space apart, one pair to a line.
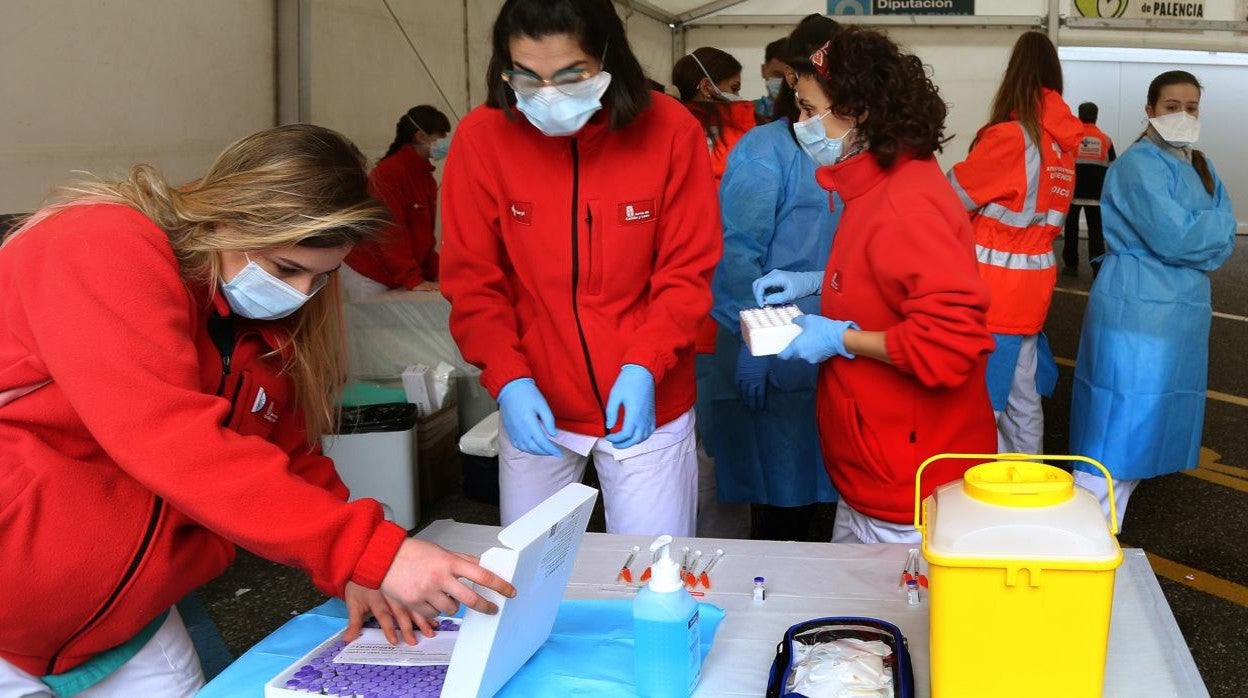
769,330
317,674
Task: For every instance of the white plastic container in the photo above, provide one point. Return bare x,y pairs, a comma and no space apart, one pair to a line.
482,439
767,331
380,465
667,636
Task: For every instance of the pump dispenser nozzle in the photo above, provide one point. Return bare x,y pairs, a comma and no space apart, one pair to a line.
665,572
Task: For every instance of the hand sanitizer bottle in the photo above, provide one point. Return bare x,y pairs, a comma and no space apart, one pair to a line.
668,644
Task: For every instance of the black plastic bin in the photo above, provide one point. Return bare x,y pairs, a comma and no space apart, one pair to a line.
368,419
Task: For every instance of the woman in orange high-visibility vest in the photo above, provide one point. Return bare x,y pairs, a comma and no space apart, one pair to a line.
1017,183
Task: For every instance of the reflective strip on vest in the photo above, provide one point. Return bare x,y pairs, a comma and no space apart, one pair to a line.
1029,216
967,202
1015,260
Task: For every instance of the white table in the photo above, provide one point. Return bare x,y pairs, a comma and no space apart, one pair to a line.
1147,653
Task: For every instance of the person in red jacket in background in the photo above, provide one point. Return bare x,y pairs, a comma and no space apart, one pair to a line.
404,255
580,234
169,359
709,82
1017,183
900,336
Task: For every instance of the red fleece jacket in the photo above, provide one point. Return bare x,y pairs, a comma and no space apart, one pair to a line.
404,256
566,258
902,263
125,480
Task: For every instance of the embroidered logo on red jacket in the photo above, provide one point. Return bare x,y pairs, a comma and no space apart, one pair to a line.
637,211
834,281
522,212
262,401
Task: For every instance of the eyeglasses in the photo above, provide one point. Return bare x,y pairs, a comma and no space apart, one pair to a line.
570,82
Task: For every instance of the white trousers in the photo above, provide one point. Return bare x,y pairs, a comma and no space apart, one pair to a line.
167,666
852,526
1097,486
648,489
1020,426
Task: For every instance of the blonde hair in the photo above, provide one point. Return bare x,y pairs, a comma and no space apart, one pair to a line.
290,185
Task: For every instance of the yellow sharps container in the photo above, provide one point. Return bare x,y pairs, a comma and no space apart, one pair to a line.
1021,569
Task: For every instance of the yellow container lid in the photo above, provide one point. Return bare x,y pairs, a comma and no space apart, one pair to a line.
1018,511
1018,484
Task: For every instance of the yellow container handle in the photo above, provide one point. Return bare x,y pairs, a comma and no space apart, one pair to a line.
918,478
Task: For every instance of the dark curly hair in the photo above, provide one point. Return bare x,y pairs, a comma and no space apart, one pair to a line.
868,76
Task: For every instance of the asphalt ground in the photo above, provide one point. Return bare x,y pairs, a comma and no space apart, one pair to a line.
1193,525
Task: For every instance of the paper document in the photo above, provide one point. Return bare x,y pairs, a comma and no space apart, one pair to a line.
372,647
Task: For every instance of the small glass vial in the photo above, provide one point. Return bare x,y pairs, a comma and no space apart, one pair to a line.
760,591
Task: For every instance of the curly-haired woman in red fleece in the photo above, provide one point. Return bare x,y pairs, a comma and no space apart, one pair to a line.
900,336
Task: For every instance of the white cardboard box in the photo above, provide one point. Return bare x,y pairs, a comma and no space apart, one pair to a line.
537,555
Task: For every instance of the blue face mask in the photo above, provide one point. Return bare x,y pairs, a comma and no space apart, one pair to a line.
255,293
773,87
813,139
439,148
557,113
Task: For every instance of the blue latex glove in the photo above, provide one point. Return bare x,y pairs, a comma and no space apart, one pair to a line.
751,378
792,376
527,418
634,392
820,340
786,286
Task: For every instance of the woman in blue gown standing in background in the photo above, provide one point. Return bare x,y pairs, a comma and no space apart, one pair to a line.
1139,396
759,410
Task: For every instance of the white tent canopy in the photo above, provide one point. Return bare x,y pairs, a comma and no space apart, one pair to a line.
109,84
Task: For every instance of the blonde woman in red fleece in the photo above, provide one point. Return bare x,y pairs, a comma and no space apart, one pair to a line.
169,359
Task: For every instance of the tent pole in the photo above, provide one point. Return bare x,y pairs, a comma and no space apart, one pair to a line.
678,42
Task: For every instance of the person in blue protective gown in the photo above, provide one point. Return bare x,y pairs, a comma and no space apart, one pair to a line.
1139,396
759,412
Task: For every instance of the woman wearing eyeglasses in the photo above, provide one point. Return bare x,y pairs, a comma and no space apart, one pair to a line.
580,231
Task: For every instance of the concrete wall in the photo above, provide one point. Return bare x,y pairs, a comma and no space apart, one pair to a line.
98,86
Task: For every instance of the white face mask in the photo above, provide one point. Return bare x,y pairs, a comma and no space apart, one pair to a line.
556,113
255,293
1179,129
720,94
